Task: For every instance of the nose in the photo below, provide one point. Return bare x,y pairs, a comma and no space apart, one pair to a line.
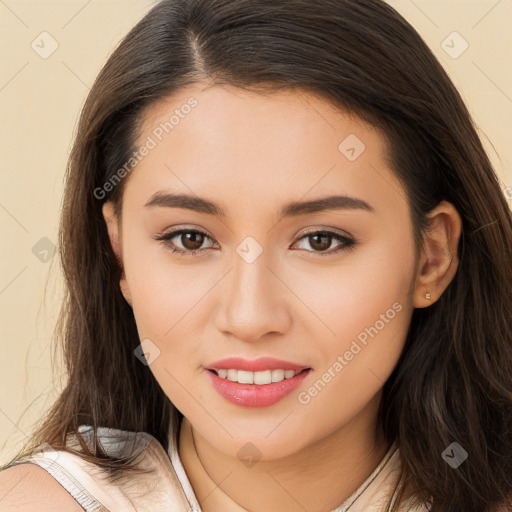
254,303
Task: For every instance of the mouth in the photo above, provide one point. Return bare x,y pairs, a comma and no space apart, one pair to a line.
259,378
258,383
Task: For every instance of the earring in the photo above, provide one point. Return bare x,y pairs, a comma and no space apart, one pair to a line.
428,296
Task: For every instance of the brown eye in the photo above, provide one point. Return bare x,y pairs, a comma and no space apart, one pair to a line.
192,240
321,241
185,241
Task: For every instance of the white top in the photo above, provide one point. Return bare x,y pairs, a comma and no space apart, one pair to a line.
168,487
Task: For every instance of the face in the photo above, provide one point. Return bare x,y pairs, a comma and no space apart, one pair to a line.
325,287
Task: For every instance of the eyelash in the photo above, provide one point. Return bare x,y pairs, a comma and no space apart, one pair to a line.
349,243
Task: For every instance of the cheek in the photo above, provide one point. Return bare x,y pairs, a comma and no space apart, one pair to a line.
166,304
162,290
367,306
353,293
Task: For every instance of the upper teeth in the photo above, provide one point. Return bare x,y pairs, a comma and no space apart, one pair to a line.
263,377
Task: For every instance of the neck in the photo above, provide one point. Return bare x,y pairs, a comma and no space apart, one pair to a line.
317,478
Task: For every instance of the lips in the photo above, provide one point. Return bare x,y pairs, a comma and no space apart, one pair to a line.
255,394
256,365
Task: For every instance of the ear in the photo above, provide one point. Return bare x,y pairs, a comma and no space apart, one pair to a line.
438,261
114,235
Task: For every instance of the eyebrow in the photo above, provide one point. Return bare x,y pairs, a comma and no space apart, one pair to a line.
293,209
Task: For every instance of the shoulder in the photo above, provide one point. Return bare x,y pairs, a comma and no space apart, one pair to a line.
30,488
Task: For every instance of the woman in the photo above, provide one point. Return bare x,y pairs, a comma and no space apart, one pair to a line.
287,259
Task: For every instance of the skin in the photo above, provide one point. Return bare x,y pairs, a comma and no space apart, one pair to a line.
251,154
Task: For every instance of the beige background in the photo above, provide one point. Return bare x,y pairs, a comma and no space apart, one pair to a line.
40,99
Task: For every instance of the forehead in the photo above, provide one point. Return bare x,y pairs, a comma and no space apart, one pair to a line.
252,149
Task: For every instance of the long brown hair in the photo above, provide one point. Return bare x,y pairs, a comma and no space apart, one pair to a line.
453,382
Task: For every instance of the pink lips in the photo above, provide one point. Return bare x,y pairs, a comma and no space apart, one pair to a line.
258,365
255,395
